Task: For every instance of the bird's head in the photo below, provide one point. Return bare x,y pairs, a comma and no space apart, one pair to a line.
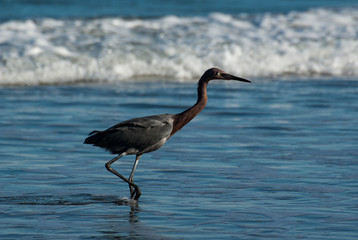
216,73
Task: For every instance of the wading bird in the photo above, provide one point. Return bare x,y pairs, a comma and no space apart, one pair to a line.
146,134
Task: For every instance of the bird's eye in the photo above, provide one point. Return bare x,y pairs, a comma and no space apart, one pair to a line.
218,74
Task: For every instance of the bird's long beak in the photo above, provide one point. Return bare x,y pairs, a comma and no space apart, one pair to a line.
227,76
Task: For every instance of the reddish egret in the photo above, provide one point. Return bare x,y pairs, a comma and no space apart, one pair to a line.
146,134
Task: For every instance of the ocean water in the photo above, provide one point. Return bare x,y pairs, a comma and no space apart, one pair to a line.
274,159
269,160
51,49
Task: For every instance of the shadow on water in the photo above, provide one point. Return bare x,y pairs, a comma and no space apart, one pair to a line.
109,222
78,199
73,200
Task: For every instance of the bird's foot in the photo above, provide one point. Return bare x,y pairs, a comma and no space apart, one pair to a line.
135,194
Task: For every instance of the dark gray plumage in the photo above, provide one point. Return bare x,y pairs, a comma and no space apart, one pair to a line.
141,135
134,136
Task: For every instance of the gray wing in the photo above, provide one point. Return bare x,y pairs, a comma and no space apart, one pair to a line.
135,136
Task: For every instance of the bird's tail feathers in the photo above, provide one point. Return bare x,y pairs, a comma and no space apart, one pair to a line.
94,137
93,132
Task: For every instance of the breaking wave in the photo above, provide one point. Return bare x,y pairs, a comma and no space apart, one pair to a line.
318,42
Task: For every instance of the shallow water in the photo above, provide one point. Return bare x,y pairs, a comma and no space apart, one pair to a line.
267,160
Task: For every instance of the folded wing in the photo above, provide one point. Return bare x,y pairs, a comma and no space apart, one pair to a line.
134,136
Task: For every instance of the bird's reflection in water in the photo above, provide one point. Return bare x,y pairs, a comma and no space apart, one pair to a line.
133,206
125,225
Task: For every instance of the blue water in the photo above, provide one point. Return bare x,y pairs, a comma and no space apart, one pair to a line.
274,159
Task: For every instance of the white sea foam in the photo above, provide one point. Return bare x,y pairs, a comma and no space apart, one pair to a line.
318,42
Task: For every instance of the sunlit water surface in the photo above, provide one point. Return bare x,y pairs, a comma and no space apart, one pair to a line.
268,160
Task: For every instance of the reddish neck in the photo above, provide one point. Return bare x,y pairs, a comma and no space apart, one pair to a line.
181,119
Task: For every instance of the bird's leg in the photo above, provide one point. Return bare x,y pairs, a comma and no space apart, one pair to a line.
109,168
132,174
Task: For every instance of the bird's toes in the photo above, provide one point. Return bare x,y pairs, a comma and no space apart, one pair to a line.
135,194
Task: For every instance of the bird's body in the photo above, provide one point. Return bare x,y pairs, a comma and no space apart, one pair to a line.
135,136
146,134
